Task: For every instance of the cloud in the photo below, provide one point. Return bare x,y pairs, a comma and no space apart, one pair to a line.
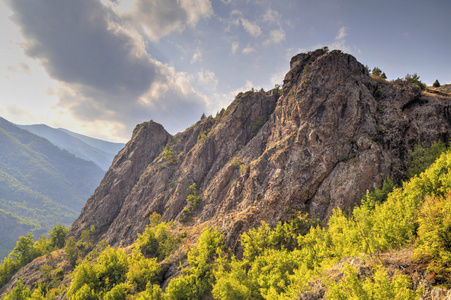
341,33
207,79
271,17
275,37
235,46
22,68
197,56
252,28
105,74
248,50
158,18
340,42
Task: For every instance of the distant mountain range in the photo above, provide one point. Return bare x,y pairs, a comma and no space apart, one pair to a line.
95,150
44,181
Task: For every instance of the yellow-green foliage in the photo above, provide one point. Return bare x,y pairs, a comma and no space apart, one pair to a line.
377,287
113,275
422,157
26,250
192,201
169,155
157,240
434,235
278,262
197,280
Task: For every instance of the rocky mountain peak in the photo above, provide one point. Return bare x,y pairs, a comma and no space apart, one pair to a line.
329,135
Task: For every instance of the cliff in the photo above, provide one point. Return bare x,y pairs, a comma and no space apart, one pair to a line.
329,135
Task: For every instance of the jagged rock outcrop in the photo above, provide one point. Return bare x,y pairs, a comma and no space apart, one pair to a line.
330,134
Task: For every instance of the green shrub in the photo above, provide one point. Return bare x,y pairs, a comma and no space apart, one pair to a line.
169,156
436,83
433,244
196,281
422,157
415,79
157,240
379,287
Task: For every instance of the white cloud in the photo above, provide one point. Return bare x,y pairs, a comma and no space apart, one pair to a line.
271,17
105,76
252,28
277,78
207,79
340,42
197,56
341,33
248,50
275,37
235,46
159,18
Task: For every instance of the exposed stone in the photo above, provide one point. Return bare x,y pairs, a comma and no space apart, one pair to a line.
331,134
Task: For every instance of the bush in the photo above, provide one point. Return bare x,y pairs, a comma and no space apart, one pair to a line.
58,236
422,157
378,74
156,240
379,287
415,79
169,155
434,236
436,83
196,281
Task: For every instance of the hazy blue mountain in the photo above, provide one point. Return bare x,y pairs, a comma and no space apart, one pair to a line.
40,183
100,152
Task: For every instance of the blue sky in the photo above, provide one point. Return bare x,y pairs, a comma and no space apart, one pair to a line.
99,67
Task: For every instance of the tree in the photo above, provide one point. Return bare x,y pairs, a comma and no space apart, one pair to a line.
23,249
415,79
71,251
376,72
58,236
436,83
20,292
169,156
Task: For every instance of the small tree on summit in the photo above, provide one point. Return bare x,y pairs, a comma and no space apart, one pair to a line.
378,74
415,79
436,83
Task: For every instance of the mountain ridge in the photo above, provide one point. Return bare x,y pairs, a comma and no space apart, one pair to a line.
98,151
332,133
328,136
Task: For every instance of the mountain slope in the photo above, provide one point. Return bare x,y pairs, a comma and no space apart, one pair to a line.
98,151
332,133
40,182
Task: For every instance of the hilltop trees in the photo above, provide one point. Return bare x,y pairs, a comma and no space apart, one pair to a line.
436,83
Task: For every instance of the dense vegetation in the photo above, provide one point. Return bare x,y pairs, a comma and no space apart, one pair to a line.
277,263
40,183
27,249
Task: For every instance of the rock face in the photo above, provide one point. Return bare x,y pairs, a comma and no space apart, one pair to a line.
329,135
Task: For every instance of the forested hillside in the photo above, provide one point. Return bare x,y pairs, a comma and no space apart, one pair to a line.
40,183
395,245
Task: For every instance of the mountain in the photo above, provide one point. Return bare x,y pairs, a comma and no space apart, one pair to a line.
87,148
39,182
332,133
233,190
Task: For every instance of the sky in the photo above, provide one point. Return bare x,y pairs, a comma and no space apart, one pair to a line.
100,67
